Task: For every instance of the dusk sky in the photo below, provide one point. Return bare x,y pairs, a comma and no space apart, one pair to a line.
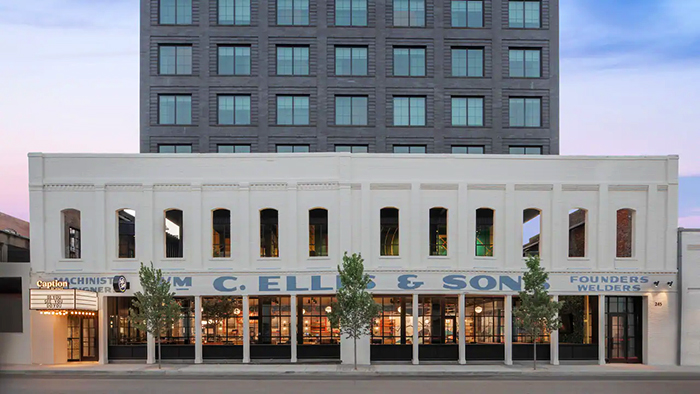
629,72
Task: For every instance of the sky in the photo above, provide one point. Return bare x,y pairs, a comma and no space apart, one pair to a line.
629,84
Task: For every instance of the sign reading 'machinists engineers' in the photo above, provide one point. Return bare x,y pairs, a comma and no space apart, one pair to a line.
382,282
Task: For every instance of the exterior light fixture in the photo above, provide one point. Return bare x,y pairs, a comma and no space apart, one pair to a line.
478,309
669,283
656,284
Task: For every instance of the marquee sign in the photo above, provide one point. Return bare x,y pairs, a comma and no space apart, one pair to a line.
62,299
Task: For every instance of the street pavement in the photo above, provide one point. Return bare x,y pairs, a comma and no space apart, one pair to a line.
14,384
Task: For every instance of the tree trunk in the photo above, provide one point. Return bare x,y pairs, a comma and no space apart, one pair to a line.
534,363
159,350
354,348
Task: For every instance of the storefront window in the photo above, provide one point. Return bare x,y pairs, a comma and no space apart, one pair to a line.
121,330
519,335
394,325
222,321
579,320
437,320
314,327
269,320
484,320
182,331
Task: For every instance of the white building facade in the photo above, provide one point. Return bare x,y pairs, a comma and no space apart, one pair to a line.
251,245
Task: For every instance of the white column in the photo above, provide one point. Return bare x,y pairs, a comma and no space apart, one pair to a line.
415,223
513,220
415,329
204,222
291,239
104,258
605,257
246,329
246,216
102,327
554,342
198,329
601,329
293,326
508,332
150,349
461,328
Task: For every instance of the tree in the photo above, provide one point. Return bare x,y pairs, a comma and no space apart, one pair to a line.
154,310
538,313
354,308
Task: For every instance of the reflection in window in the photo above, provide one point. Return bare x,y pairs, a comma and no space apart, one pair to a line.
625,232
437,320
577,232
175,59
175,12
532,225
394,325
467,13
313,326
126,228
389,231
71,233
438,232
318,232
524,14
468,62
525,112
351,110
234,60
121,329
173,233
350,60
409,111
409,13
222,320
524,63
484,232
269,320
351,12
269,224
579,320
221,235
174,109
293,12
484,320
234,12
352,148
182,331
519,335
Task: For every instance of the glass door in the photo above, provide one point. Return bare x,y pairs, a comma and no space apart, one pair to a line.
89,339
624,329
73,338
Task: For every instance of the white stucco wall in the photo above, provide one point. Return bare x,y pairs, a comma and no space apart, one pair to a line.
690,292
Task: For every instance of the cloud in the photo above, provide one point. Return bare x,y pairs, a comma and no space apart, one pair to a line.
689,221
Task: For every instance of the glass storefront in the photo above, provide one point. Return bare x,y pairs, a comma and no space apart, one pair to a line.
392,331
437,328
125,341
270,317
484,326
523,344
316,337
222,327
578,335
624,329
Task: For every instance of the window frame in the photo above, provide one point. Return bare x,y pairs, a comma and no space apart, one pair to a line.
234,59
437,245
293,15
233,23
467,63
410,148
352,49
409,68
389,228
175,148
466,24
352,13
525,149
177,48
467,148
524,68
524,124
175,2
235,148
352,108
235,98
175,98
479,226
225,252
422,24
274,232
130,239
294,60
294,97
305,148
181,233
523,6
409,98
323,230
467,114
351,148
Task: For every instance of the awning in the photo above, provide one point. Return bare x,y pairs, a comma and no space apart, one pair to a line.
62,301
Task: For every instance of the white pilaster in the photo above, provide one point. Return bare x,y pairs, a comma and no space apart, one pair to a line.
100,223
292,235
415,329
345,221
150,349
514,252
414,224
246,329
465,253
605,258
601,329
198,329
508,332
102,328
204,220
460,329
554,342
293,326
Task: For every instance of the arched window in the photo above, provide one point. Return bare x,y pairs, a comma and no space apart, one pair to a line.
71,233
174,241
318,232
126,228
484,232
389,231
221,233
532,226
578,221
438,231
269,231
625,232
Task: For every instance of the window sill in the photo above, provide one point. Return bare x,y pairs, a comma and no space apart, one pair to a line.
579,259
123,260
389,257
174,259
439,257
317,258
71,260
221,259
626,259
260,259
485,258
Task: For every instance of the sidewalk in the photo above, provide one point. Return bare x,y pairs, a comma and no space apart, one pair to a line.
335,371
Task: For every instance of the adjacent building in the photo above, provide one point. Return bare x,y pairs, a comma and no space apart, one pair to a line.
250,245
384,76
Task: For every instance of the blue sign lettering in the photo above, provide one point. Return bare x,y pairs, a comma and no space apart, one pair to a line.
316,284
292,284
220,283
476,282
265,283
405,282
454,282
511,283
